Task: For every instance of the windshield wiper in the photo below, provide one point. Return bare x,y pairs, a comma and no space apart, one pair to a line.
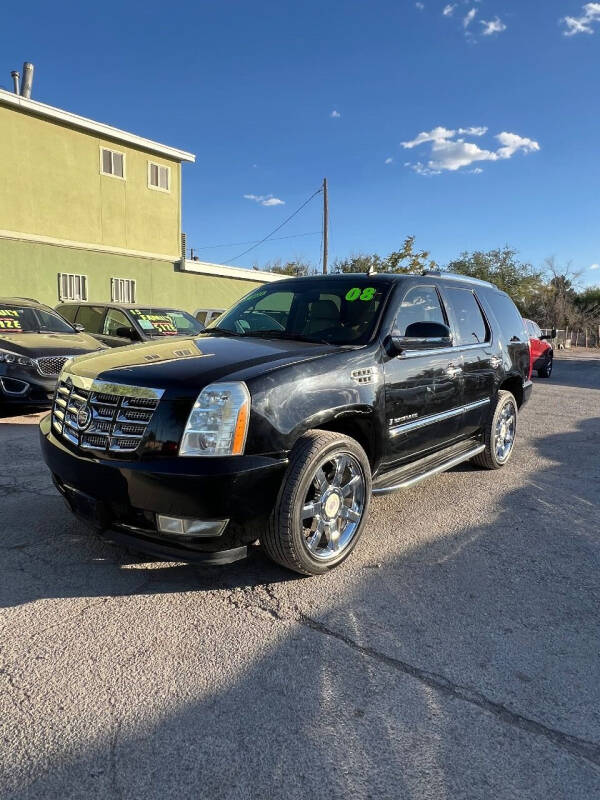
221,332
275,334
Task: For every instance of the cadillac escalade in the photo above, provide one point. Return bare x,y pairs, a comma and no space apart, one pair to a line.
281,420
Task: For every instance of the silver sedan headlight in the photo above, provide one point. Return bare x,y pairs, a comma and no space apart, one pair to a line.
15,358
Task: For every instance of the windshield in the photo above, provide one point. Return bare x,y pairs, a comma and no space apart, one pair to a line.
166,322
24,319
332,310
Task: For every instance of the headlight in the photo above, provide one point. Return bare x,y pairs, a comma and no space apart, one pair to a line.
218,422
15,358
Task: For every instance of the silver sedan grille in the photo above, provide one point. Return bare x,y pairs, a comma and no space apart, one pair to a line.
97,415
51,365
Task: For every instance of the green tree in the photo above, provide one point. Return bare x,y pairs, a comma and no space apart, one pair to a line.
296,268
406,260
502,267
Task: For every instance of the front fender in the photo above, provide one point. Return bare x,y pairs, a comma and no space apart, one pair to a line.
327,393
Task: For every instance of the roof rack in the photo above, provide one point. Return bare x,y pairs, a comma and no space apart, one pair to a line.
455,276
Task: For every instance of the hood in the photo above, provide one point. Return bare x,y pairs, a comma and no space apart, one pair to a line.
36,345
188,365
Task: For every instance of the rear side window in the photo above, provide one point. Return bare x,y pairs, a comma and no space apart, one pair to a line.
510,321
91,318
471,327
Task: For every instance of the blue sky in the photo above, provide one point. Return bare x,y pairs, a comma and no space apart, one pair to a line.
250,88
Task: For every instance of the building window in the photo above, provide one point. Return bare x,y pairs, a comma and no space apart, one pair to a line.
159,177
122,290
207,315
112,162
72,287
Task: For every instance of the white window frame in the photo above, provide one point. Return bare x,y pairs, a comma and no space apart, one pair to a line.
160,166
123,290
211,314
111,174
71,293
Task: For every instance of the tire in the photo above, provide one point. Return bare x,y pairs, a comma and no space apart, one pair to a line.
546,370
316,542
495,456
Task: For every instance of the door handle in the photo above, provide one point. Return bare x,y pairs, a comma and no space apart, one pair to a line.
452,371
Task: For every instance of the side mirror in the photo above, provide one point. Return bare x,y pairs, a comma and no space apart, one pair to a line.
125,333
78,327
423,336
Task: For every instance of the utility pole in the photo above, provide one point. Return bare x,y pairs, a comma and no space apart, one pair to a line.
325,225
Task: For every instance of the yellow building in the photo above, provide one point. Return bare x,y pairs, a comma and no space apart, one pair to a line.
88,211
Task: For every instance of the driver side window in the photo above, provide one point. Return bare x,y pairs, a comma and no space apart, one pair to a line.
268,313
115,319
420,304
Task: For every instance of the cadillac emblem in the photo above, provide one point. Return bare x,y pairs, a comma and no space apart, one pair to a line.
84,417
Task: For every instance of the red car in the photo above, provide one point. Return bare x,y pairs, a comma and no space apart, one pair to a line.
541,351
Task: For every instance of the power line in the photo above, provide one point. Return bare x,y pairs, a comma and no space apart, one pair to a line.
255,241
279,227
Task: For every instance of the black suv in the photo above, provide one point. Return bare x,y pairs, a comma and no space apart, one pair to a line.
117,324
35,343
281,420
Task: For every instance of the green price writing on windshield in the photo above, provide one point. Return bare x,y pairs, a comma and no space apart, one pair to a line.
360,294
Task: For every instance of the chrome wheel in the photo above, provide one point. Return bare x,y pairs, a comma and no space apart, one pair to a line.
333,506
506,429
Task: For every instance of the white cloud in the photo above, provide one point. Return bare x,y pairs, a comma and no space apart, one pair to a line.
439,134
450,151
473,131
469,17
335,114
583,24
420,6
595,266
512,143
492,26
389,160
449,9
265,199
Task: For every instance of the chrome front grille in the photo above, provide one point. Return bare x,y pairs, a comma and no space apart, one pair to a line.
51,365
97,415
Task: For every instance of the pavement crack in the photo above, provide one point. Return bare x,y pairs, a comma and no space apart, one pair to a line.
582,748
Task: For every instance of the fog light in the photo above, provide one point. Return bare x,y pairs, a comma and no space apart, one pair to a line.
183,526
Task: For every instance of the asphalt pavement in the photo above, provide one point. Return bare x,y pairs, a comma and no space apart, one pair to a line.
455,655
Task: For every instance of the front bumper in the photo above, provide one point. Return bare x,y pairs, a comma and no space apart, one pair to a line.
541,362
25,386
123,497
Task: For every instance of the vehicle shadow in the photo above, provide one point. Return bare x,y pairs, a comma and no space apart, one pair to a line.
578,373
9,410
416,681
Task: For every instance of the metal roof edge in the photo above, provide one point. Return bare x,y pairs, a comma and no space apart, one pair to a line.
76,121
242,273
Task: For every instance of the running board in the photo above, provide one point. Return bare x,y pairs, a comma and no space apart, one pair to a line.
411,479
